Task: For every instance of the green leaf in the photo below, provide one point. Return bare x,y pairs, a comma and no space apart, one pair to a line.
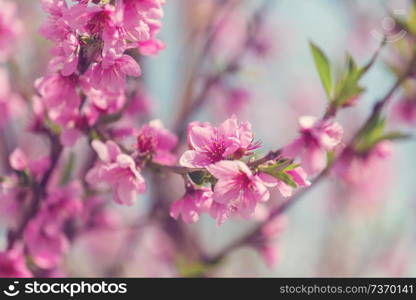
278,170
395,135
198,177
324,69
371,135
348,86
286,178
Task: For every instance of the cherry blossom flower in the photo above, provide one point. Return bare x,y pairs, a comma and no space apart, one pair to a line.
119,170
317,137
56,26
238,190
195,202
12,205
354,167
155,140
11,28
11,104
13,263
405,111
142,22
20,161
267,243
109,75
44,235
212,144
55,87
66,55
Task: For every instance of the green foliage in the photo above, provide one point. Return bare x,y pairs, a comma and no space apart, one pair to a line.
347,86
189,269
374,133
279,170
324,68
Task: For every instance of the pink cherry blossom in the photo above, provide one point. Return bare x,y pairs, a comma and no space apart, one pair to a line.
298,175
46,242
66,55
52,90
195,202
44,235
317,137
238,190
154,139
405,111
10,197
267,243
20,161
11,104
56,26
13,263
110,74
212,144
355,168
142,22
11,28
119,170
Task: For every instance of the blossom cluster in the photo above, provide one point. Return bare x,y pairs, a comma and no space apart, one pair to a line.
92,57
91,92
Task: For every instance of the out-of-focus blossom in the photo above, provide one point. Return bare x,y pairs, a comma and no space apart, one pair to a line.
317,137
117,169
234,99
354,167
11,104
238,190
195,202
10,197
52,90
267,243
46,242
13,263
11,28
155,140
139,105
405,111
44,235
19,161
210,144
158,251
96,215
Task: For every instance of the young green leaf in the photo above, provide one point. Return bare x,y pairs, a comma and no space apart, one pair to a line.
323,66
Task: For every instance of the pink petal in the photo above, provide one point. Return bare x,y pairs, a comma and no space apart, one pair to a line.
194,159
18,160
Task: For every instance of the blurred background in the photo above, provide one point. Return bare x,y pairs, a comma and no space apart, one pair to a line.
335,230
